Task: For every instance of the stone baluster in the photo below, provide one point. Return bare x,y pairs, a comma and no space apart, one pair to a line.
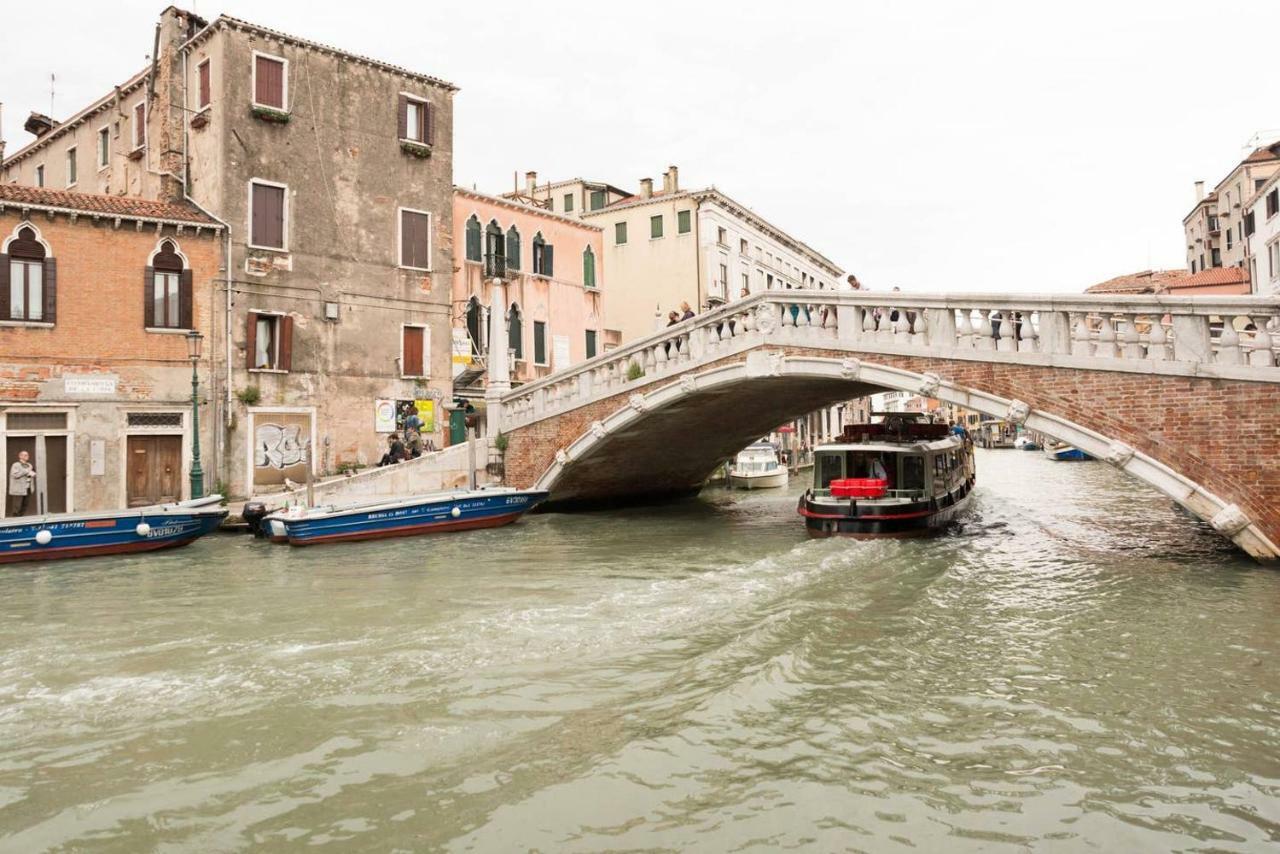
901,327
869,324
713,335
1229,352
1130,341
1106,347
1028,338
964,329
1261,356
1080,334
661,355
831,320
748,321
788,319
986,335
1008,342
1157,341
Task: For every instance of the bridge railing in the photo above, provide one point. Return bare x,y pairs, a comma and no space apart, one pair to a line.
1217,335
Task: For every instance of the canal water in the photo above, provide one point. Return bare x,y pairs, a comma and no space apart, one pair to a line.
1078,667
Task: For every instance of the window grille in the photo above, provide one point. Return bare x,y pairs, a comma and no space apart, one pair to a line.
37,421
154,419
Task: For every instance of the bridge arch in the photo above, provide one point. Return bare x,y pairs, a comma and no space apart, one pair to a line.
651,446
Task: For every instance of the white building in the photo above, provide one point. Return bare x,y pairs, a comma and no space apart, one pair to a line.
1262,231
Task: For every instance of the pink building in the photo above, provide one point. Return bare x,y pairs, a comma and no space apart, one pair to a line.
552,264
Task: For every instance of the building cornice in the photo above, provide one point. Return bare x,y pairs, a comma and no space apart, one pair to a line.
117,218
228,22
526,209
744,212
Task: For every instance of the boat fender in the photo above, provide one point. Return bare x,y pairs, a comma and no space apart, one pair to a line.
143,529
455,512
44,536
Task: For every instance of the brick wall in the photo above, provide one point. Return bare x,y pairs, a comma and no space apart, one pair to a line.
1222,434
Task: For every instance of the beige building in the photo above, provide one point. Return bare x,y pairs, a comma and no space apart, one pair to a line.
1262,233
1215,227
336,296
667,246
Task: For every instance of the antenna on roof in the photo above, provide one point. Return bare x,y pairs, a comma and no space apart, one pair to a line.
52,80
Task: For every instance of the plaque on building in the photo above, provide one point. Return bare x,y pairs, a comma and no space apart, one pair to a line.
88,384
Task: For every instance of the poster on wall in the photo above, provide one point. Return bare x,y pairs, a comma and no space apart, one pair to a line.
384,416
279,447
426,410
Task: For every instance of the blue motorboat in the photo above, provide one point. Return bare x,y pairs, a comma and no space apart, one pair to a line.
137,529
1066,453
437,512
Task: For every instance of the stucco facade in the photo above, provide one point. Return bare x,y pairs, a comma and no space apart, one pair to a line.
94,387
1215,228
1263,212
343,313
558,316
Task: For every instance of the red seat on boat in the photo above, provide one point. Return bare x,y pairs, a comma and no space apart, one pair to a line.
859,487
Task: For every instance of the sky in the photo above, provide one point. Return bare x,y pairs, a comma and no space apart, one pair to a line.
957,146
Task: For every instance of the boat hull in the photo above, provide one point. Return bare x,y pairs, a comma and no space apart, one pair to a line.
107,534
869,520
1067,455
771,480
436,515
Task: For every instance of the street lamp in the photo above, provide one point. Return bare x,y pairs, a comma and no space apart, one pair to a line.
194,343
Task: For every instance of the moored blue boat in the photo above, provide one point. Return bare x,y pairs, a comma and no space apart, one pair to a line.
431,513
137,529
1066,453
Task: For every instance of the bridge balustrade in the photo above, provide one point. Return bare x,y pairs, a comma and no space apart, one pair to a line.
1235,337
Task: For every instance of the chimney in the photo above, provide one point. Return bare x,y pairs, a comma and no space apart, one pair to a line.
646,188
675,179
530,183
39,124
1199,191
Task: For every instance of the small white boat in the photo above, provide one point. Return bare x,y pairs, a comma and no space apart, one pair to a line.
1065,453
757,467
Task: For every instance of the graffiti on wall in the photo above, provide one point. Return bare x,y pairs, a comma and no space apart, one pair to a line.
279,447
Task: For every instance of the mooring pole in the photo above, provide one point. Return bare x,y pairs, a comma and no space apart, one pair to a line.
311,486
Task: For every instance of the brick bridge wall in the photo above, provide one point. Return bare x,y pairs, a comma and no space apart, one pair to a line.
1222,434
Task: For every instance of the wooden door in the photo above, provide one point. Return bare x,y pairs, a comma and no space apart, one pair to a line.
154,470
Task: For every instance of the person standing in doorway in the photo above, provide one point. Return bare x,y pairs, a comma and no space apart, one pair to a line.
22,477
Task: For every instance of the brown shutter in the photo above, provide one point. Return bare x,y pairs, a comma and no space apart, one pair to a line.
4,287
204,84
269,88
148,297
185,309
285,330
429,112
403,127
250,339
50,290
413,340
268,216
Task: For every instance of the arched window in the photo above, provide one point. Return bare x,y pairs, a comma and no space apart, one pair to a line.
542,256
588,268
495,251
475,249
167,285
475,326
28,278
515,331
513,248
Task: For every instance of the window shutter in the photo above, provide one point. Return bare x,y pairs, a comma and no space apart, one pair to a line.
270,83
513,250
429,119
403,125
204,84
286,343
148,297
4,286
250,338
413,352
185,309
50,290
548,259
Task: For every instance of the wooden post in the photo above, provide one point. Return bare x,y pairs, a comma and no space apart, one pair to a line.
311,486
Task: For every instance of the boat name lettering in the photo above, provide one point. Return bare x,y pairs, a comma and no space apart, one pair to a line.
164,531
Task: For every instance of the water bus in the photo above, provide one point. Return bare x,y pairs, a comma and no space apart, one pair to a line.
437,512
138,529
903,476
757,467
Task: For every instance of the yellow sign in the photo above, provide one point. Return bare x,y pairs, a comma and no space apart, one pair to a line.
427,412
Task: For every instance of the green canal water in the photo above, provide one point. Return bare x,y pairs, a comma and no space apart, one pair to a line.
1078,667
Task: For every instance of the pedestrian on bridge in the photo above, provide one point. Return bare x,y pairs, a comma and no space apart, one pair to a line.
688,312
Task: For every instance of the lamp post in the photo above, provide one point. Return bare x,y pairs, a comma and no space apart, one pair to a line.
194,343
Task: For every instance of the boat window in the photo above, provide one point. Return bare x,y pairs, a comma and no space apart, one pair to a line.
829,467
872,465
912,472
940,466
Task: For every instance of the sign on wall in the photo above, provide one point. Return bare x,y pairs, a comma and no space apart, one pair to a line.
384,416
559,352
88,384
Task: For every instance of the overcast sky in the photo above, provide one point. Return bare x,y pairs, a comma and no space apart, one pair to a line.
931,145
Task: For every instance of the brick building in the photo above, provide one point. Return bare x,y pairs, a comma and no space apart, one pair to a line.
334,175
97,294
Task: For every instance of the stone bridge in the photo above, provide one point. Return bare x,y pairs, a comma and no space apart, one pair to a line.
1182,393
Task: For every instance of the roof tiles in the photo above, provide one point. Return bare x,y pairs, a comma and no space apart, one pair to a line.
125,207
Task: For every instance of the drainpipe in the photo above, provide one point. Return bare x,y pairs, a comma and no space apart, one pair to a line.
697,250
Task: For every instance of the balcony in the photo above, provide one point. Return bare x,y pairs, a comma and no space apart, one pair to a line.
495,266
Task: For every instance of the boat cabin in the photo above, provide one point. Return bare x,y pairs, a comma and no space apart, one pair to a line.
910,472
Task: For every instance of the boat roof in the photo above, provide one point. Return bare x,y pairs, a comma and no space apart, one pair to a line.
893,447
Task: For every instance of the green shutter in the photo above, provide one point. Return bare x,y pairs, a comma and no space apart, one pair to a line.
474,249
588,268
655,226
683,224
619,233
